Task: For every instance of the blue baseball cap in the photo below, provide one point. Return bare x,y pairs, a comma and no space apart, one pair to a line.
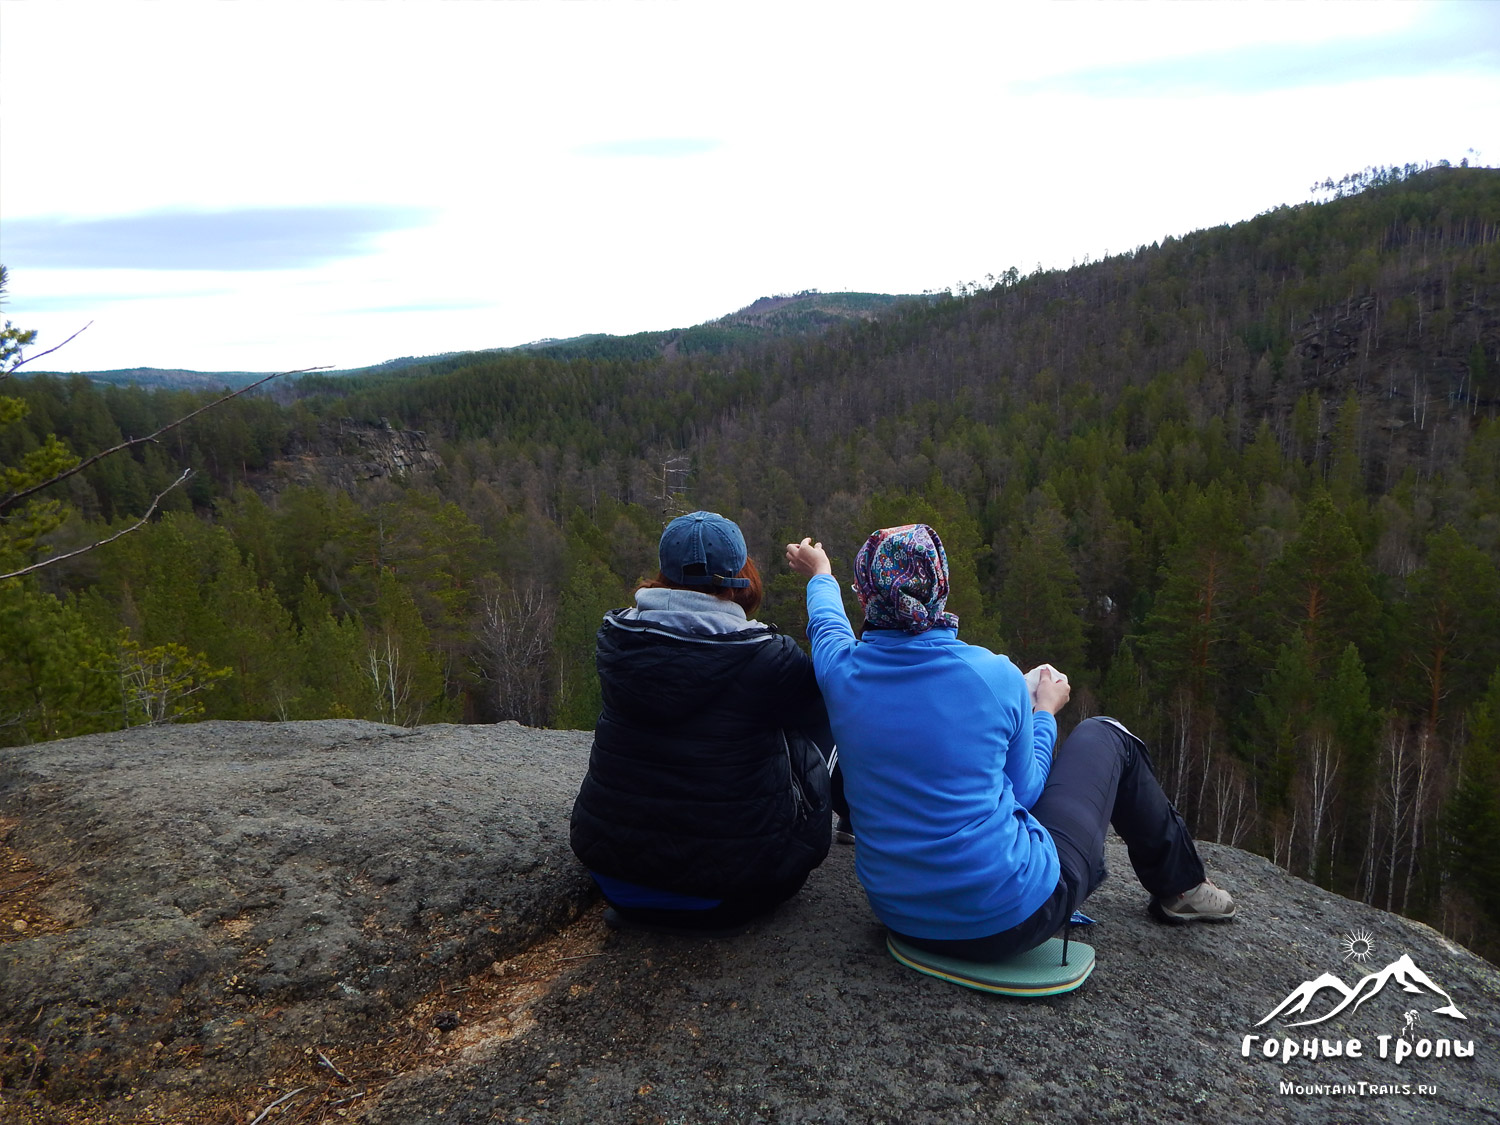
703,549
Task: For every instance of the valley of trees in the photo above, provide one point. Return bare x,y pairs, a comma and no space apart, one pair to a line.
1243,486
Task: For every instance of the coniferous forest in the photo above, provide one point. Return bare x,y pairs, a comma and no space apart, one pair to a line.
1243,486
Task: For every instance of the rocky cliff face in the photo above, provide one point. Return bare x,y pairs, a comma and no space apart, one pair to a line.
347,453
387,924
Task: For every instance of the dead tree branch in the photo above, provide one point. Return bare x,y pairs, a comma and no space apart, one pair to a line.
140,523
6,374
10,500
277,1102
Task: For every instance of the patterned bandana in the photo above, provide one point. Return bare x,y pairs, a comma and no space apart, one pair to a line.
901,577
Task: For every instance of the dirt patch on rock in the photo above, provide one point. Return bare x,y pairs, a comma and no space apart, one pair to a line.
208,906
33,900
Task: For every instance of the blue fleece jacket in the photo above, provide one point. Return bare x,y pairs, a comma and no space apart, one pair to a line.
942,758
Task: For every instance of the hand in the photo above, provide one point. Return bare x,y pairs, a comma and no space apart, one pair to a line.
1052,694
808,558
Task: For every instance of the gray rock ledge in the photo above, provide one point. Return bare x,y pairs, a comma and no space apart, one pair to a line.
391,921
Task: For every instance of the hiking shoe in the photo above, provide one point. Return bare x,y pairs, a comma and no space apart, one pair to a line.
1204,903
843,831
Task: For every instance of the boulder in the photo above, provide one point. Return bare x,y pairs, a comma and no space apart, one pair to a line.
206,923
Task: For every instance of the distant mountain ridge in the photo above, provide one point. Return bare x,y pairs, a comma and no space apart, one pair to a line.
806,313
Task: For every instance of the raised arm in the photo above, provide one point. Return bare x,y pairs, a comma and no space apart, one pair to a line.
828,628
808,558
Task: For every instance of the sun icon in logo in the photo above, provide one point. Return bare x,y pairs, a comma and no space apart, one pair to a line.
1358,946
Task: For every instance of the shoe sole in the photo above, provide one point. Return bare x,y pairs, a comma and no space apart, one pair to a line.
1162,914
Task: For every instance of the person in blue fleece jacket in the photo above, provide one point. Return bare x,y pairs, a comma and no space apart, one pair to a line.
974,840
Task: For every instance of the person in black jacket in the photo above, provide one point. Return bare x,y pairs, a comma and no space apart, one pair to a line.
707,798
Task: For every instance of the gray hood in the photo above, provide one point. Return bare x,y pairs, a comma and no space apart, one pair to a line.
686,614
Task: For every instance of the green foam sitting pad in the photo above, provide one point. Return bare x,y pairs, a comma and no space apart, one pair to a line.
1037,972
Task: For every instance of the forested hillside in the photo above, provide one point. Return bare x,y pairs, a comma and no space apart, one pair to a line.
1243,486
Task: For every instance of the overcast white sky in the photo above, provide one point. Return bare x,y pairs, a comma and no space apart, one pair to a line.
262,185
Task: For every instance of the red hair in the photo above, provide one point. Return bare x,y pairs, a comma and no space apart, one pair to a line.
747,598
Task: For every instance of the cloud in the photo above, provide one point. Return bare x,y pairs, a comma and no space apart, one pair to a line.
1453,46
656,147
84,302
252,238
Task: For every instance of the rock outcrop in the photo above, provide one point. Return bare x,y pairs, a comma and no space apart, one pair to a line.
388,925
347,453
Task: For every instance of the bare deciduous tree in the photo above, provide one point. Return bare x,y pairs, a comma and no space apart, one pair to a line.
671,480
393,677
1317,788
1234,808
514,639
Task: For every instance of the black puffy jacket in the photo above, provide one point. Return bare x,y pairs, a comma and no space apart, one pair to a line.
703,779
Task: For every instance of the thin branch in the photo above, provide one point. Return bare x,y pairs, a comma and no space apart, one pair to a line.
339,1074
18,886
277,1102
22,363
15,498
82,550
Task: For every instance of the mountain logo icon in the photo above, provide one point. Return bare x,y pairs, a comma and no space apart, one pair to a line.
1403,971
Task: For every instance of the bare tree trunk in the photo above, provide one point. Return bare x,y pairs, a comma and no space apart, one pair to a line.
1368,865
1234,811
391,675
1397,763
1176,783
515,645
1426,744
672,481
1208,759
1319,780
1283,839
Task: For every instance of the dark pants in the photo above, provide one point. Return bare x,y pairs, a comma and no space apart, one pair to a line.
836,792
729,913
1101,775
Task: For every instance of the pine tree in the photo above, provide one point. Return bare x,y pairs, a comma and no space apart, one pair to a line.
590,592
1040,602
1124,695
1321,588
1192,632
1451,623
1472,820
57,681
333,659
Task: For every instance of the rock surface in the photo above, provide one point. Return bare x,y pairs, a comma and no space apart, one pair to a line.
389,924
230,894
347,453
